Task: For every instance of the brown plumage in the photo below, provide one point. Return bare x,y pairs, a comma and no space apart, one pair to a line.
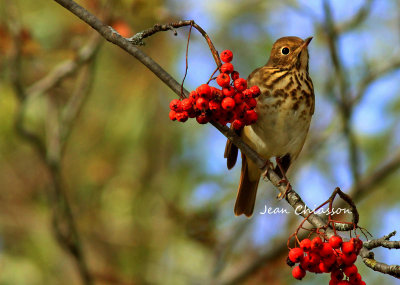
284,109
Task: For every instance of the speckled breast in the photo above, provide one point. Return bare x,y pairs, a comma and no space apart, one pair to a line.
285,108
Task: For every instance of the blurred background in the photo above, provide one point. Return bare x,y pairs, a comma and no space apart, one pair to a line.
97,183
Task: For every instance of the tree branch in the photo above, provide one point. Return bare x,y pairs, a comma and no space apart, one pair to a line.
66,68
368,256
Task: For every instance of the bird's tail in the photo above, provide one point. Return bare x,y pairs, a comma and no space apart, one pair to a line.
246,195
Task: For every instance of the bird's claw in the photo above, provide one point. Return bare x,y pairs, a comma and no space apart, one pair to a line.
287,190
268,164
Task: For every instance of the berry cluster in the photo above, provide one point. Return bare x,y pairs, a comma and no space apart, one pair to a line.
234,103
334,256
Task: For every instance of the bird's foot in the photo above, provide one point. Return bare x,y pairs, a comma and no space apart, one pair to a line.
268,164
287,190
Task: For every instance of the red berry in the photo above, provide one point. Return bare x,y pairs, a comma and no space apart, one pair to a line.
251,117
228,91
343,282
247,93
337,275
339,254
182,116
172,115
335,241
306,263
329,260
296,254
350,270
214,105
333,282
223,80
187,104
255,90
226,56
193,95
175,105
357,244
323,267
202,118
192,112
298,272
316,243
228,103
326,250
240,84
227,68
252,103
240,111
216,93
202,103
348,247
238,98
349,259
355,279
235,75
204,91
314,258
238,124
305,245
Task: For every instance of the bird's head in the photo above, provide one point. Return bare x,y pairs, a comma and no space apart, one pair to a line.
290,52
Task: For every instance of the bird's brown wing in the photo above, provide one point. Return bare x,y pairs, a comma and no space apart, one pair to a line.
231,151
247,191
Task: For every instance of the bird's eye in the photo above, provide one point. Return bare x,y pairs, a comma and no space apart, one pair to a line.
285,50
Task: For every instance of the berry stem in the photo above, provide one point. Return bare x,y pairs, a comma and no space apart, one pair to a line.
211,77
138,38
187,65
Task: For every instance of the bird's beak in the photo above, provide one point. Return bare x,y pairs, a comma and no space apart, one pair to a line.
306,42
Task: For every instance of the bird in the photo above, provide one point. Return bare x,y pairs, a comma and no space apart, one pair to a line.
284,108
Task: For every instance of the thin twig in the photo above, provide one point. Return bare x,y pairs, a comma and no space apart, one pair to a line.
368,256
186,61
138,38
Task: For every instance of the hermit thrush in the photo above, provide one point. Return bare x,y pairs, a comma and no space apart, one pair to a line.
284,109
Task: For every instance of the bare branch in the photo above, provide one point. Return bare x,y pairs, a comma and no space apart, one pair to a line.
66,68
368,256
383,242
